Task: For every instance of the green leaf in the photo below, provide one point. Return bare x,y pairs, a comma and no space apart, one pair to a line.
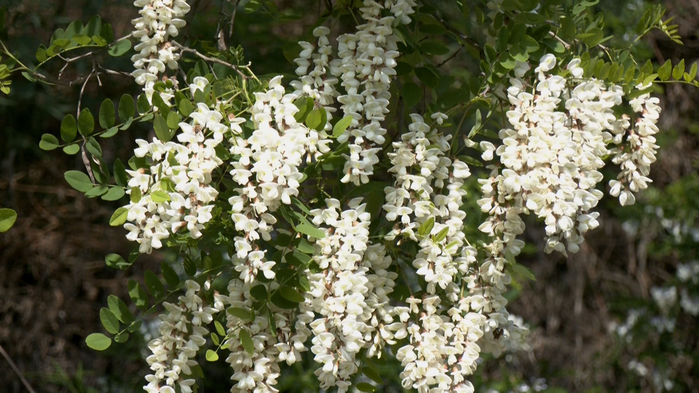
69,128
93,147
78,180
305,247
290,294
246,341
159,196
305,104
86,122
665,70
366,387
98,341
137,294
215,339
96,191
692,73
122,337
219,328
211,355
245,315
412,94
119,309
426,227
127,107
107,116
308,229
48,142
120,175
259,292
71,149
371,373
678,70
173,120
119,217
114,194
7,219
110,132
171,278
119,48
142,104
341,126
109,320
316,119
161,129
427,76
154,285
440,235
115,261
279,301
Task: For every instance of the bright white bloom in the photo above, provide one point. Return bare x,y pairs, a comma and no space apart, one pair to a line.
266,167
182,332
158,21
365,67
173,193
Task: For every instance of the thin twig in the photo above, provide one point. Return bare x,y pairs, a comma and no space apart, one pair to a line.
16,370
211,59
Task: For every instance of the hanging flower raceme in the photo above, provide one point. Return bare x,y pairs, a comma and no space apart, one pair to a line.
256,365
182,331
159,21
267,167
173,192
366,65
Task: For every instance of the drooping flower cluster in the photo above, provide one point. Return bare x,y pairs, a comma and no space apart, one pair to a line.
427,196
313,70
365,65
173,193
442,346
339,292
182,332
258,370
159,20
266,166
635,150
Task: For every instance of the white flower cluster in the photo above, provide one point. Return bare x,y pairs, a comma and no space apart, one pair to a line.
635,150
552,157
182,332
266,166
316,81
365,65
159,20
427,196
339,292
174,192
258,371
442,346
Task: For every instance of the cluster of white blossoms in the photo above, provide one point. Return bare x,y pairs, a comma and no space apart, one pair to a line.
266,166
552,154
182,332
159,20
313,70
443,344
174,192
426,199
257,371
365,66
339,292
635,150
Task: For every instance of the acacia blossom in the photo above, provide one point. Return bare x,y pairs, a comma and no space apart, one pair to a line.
159,21
266,167
173,193
365,66
258,370
182,331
